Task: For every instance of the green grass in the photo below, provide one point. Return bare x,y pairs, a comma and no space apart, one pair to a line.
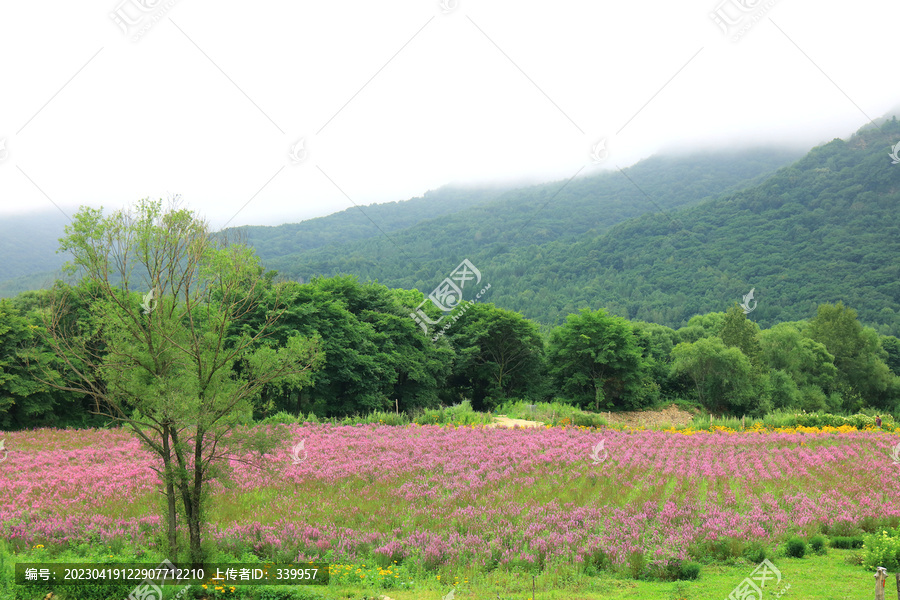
831,576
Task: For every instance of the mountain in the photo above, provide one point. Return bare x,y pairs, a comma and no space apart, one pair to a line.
28,245
668,238
563,211
361,223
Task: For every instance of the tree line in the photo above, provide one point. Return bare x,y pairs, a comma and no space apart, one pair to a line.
374,356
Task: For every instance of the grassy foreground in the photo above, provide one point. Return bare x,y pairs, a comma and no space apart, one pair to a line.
833,576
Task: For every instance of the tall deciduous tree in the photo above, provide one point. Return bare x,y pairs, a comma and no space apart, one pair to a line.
499,354
168,363
595,359
858,356
722,376
739,332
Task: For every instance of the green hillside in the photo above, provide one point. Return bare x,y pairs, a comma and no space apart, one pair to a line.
668,241
420,256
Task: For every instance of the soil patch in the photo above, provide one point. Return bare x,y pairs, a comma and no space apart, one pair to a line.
671,415
504,421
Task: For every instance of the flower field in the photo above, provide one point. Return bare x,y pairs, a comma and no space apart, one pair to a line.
447,496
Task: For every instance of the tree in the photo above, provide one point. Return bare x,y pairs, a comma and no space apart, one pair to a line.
807,362
24,400
594,359
739,332
858,356
722,376
167,364
499,354
374,352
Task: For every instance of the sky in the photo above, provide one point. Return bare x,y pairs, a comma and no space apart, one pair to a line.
273,112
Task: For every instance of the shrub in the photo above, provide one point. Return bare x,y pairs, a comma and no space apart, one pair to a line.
279,418
756,552
637,562
846,542
690,570
796,548
883,550
817,543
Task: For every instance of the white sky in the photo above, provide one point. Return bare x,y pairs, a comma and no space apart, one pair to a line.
396,98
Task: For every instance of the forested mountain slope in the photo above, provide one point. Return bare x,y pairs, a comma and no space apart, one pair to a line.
420,256
826,229
823,229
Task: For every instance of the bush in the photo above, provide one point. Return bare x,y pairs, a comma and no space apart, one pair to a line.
817,543
279,418
690,570
796,548
883,550
756,552
846,542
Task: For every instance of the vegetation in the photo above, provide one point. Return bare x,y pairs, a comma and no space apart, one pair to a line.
167,367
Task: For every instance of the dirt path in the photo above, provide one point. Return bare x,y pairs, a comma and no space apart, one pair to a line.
504,421
639,418
671,415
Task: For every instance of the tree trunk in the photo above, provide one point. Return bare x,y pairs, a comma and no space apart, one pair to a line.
170,493
195,517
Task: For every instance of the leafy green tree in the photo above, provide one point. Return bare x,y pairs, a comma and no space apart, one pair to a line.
24,400
723,377
167,352
739,332
374,352
891,346
595,360
656,343
499,355
806,361
858,356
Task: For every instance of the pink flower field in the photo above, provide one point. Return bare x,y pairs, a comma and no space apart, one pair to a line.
463,495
